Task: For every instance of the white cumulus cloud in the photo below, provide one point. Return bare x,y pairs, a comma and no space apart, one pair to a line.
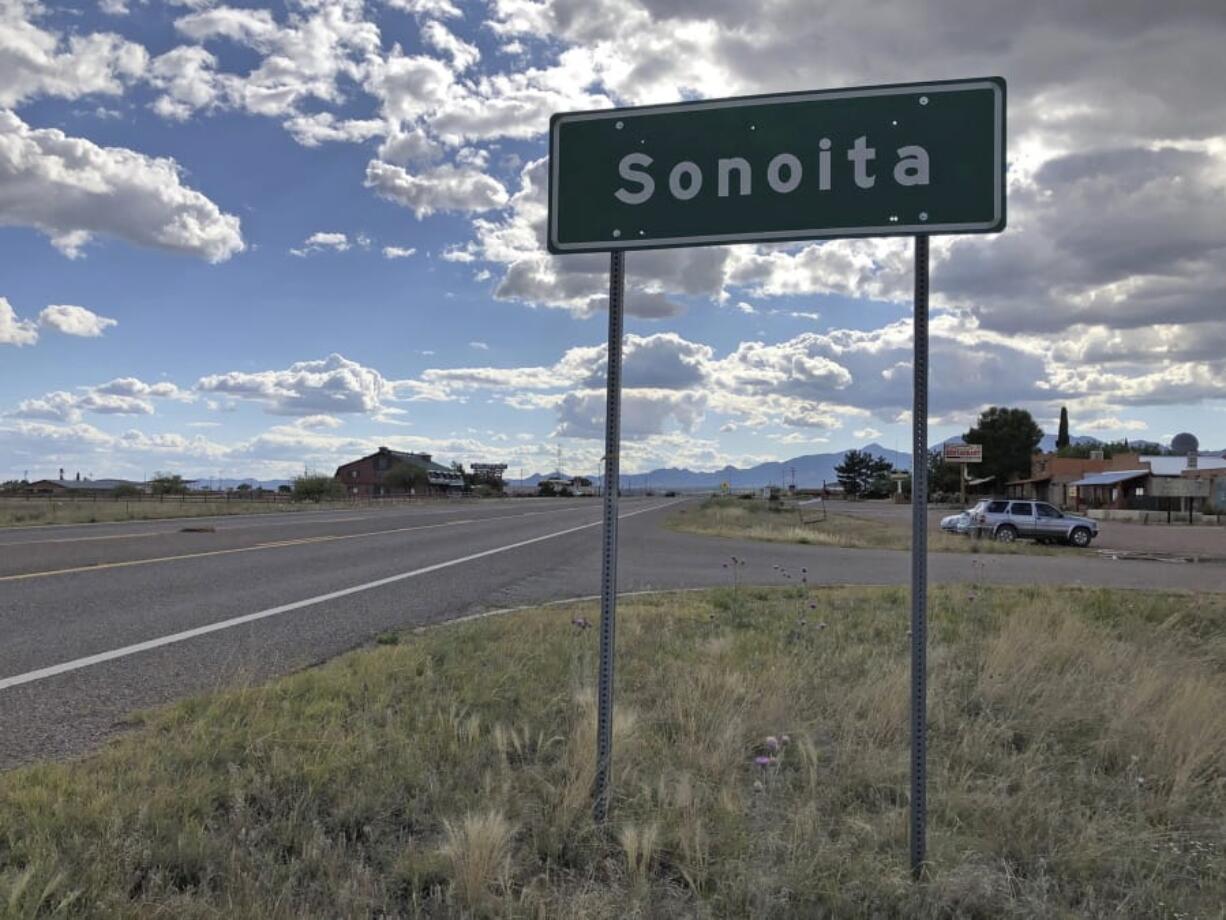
318,242
37,62
71,189
330,386
73,320
446,188
13,330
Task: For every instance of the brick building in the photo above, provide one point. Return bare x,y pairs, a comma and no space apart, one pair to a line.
1052,477
364,478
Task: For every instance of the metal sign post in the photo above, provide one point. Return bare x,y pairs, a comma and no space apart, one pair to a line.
608,572
900,160
919,567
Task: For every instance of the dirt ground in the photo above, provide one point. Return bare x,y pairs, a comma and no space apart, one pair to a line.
1199,540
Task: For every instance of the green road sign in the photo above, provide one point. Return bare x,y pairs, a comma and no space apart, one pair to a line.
874,161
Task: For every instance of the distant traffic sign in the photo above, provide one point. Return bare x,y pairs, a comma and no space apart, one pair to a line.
876,161
964,453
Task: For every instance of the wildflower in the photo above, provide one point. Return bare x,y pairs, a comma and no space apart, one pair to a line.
813,606
823,626
786,739
581,623
804,571
772,743
763,761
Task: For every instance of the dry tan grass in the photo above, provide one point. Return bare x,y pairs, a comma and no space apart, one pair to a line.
760,520
1077,759
478,851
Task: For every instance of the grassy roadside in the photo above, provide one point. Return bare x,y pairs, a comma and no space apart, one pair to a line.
20,513
756,520
1077,770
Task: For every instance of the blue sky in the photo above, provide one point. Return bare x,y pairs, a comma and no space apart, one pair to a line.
165,167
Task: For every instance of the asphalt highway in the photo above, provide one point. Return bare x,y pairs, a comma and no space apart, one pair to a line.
100,620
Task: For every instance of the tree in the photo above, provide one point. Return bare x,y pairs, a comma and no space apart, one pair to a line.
126,490
1062,439
13,485
243,487
284,489
317,489
167,484
546,489
943,477
406,478
1109,448
860,472
1009,438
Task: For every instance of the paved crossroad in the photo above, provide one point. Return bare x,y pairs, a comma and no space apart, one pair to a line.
100,620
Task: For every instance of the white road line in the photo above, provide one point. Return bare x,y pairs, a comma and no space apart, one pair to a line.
88,661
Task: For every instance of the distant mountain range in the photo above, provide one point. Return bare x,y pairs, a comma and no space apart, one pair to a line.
811,470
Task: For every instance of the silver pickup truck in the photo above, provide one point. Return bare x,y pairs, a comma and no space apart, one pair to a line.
1007,520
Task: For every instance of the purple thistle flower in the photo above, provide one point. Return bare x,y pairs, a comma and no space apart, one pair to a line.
763,761
772,743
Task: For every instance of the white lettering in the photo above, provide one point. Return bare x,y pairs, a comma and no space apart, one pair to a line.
912,169
823,165
741,165
776,166
685,168
626,169
860,154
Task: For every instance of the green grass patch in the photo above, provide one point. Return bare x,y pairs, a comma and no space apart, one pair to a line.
1078,750
758,519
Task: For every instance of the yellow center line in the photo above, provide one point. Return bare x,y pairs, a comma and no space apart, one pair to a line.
113,536
97,567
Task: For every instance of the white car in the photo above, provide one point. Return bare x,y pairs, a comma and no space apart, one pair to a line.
957,523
